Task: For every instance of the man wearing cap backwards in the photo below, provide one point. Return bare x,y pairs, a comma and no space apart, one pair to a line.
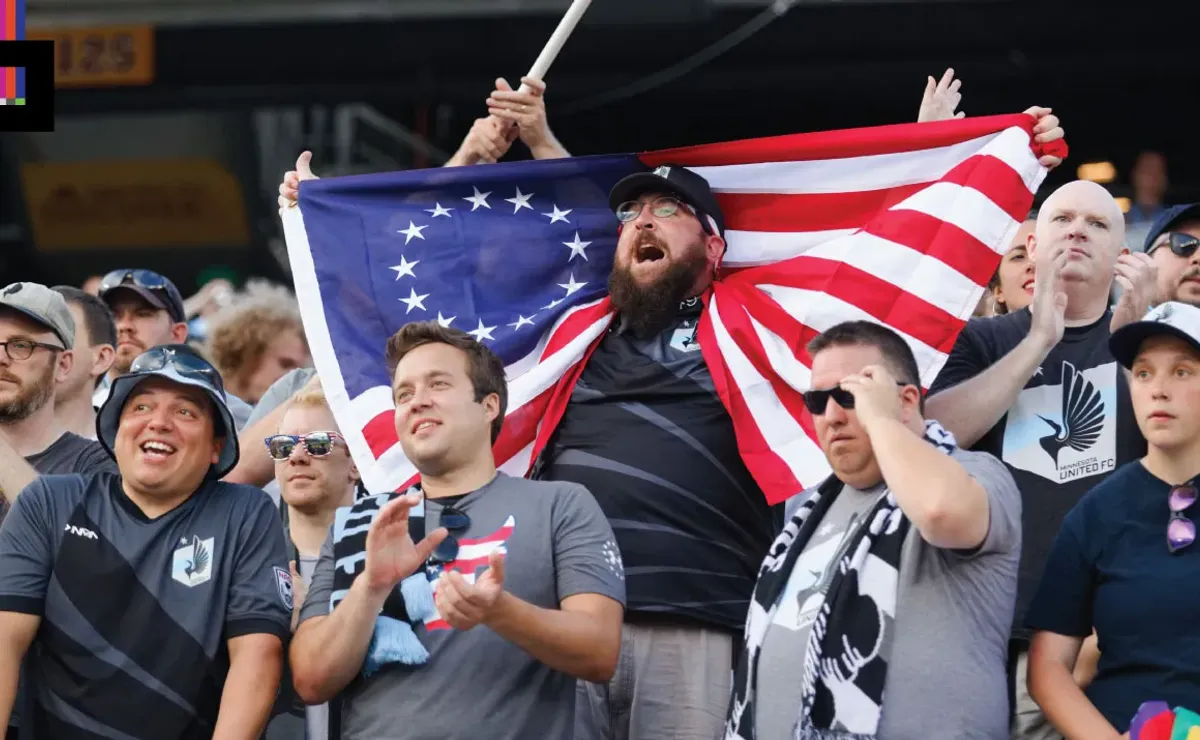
1172,242
37,333
149,311
159,596
1126,560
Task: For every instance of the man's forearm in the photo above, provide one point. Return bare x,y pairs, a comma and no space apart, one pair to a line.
328,652
15,473
1064,704
10,673
570,642
942,500
250,690
972,407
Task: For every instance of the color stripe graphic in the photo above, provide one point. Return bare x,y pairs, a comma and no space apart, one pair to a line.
12,28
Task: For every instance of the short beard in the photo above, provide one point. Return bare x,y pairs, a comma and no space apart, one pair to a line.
649,309
30,399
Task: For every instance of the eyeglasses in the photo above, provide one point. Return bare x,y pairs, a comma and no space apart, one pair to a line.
22,349
1181,531
454,521
182,362
1181,245
317,444
661,207
817,401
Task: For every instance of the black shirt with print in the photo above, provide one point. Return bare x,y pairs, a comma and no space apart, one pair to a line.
1070,427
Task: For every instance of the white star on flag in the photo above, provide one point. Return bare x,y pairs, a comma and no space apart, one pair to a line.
411,231
443,321
552,304
482,332
571,286
520,200
577,248
437,210
558,215
478,199
414,301
404,268
521,321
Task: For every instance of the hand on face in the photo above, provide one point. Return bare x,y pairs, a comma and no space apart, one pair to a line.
876,396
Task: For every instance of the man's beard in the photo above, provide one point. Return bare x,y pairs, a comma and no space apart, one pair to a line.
29,399
649,309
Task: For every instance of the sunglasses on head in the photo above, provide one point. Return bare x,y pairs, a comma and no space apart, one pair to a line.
456,522
1181,531
817,401
181,361
1180,244
317,444
147,279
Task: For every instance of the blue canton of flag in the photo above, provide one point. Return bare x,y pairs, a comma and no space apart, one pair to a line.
499,251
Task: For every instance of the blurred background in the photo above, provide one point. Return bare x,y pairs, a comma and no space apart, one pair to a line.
176,119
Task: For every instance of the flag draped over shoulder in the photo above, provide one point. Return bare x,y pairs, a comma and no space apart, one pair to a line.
903,225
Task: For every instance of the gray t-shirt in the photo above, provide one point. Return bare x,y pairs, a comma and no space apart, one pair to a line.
557,543
946,671
70,454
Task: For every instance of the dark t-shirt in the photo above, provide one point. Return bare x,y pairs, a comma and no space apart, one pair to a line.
136,613
646,433
1110,568
1072,425
71,453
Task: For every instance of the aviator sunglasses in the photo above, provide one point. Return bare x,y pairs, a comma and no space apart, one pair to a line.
317,444
1181,245
1181,531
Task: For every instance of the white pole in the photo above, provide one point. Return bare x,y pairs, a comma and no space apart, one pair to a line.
569,20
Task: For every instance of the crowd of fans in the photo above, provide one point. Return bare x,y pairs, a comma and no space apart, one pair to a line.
1007,555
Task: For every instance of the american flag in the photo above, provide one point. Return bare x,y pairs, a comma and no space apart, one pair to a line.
903,225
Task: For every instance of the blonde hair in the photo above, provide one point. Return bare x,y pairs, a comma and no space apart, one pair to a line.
312,398
241,333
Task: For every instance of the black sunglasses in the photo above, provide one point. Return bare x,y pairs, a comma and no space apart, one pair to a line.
181,361
1180,244
817,401
454,521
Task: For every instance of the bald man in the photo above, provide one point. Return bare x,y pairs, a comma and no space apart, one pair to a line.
1039,389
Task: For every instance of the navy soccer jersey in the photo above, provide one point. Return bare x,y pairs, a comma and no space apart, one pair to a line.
136,612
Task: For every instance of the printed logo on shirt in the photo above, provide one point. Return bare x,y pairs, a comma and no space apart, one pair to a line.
283,580
192,564
684,339
472,560
612,556
81,532
1065,432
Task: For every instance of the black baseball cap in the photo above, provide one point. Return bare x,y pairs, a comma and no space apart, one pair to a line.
673,180
157,290
1169,218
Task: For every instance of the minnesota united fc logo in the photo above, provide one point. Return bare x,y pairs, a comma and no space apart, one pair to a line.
192,564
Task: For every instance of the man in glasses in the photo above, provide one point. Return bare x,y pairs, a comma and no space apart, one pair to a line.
159,597
1126,558
149,311
1172,242
37,334
528,584
316,476
863,594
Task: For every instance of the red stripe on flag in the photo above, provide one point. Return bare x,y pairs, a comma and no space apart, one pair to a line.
856,142
940,240
788,212
995,179
380,432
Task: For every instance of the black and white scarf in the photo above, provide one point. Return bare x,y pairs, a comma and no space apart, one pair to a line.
410,603
845,665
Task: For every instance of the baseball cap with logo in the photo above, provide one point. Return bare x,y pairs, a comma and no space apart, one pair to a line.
44,306
1170,319
674,180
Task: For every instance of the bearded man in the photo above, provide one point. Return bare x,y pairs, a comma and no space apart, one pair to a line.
646,433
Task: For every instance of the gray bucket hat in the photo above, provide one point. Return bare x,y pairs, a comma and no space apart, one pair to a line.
178,363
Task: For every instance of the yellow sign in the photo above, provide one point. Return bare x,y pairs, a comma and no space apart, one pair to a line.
100,57
134,203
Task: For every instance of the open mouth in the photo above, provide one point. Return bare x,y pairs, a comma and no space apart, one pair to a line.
648,252
157,450
1027,285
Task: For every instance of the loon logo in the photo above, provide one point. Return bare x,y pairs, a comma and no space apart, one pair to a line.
1065,432
81,532
663,172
